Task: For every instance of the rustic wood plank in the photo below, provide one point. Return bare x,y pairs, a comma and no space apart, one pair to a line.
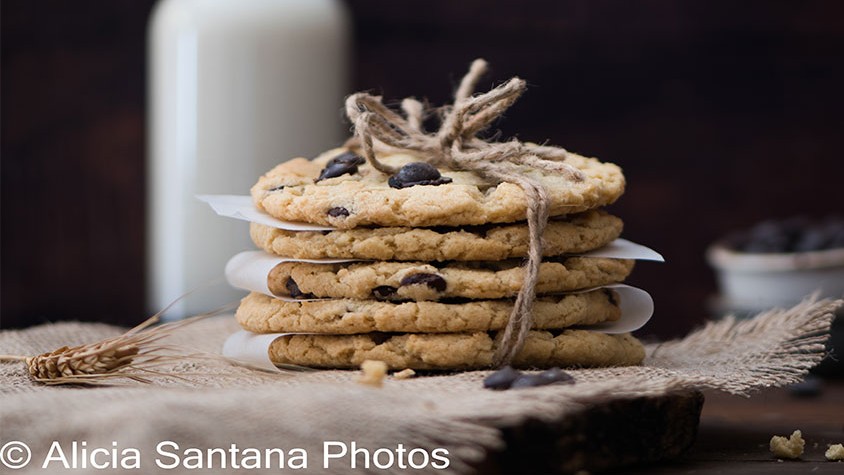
734,433
618,434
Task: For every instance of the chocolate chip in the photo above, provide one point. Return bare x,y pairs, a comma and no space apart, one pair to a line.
293,290
338,211
551,376
276,188
556,376
528,381
342,164
417,173
502,379
383,292
431,280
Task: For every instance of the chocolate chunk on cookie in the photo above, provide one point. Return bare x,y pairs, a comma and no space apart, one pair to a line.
417,173
345,163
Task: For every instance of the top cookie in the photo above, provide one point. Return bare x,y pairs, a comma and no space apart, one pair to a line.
349,193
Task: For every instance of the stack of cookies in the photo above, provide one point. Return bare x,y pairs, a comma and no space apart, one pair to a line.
439,258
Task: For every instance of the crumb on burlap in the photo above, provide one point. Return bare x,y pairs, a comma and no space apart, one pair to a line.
788,448
835,452
374,372
404,374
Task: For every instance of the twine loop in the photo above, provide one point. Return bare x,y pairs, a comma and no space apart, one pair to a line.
455,145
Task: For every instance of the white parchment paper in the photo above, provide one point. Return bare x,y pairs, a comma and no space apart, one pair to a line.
624,249
249,270
636,309
241,207
251,348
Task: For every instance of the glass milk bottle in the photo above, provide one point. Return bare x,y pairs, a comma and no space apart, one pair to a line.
234,88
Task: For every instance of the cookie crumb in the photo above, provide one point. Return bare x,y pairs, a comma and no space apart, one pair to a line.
835,452
374,372
405,374
788,448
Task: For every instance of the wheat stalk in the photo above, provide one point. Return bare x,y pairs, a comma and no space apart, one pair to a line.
134,355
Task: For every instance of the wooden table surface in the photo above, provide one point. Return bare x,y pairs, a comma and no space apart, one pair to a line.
734,433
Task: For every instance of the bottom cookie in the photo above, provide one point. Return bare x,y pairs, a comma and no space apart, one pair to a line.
456,351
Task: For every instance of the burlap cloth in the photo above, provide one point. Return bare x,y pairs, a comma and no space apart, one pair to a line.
215,405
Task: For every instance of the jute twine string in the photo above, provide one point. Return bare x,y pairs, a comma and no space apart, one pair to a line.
455,145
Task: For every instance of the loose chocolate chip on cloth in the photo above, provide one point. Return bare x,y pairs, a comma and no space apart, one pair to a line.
544,378
507,378
502,378
212,404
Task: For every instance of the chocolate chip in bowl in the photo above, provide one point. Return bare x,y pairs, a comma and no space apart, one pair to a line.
778,263
797,234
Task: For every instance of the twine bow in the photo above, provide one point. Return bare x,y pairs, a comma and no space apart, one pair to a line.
456,146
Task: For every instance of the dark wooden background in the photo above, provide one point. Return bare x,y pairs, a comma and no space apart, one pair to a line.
721,113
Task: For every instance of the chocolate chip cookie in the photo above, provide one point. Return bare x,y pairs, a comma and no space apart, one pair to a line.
456,351
565,235
263,314
339,190
398,281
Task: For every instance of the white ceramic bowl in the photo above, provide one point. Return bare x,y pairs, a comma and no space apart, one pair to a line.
761,281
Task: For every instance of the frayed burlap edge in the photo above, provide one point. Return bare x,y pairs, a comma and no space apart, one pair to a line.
215,406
